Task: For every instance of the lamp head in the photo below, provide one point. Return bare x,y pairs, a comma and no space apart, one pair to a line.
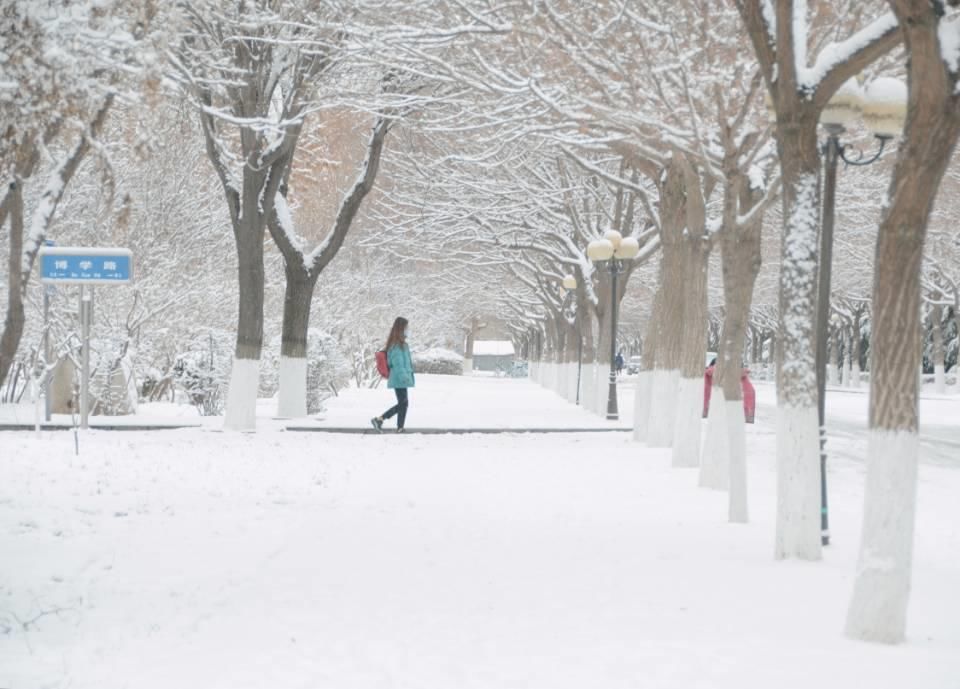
845,105
629,248
885,107
600,250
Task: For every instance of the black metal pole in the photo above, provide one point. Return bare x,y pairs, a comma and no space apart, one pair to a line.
612,411
831,156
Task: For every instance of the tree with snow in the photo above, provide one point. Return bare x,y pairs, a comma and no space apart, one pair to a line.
61,78
931,33
798,92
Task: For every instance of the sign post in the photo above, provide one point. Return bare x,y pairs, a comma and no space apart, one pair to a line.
86,267
48,292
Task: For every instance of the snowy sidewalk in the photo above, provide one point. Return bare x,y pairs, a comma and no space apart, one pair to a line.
481,404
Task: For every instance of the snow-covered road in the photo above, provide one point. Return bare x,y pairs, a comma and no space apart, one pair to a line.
195,558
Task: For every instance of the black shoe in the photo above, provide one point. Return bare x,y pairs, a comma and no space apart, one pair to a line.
377,423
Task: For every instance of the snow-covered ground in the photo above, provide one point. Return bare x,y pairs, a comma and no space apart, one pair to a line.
198,558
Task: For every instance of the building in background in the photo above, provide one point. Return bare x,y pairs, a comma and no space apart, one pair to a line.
491,355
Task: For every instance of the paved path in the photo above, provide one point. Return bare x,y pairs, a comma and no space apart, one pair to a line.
438,431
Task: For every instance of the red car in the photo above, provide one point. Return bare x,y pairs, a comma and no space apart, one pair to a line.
749,394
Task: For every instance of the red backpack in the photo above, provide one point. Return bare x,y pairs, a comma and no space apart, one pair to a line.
383,368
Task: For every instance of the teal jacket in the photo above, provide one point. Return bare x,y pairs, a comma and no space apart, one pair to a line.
401,367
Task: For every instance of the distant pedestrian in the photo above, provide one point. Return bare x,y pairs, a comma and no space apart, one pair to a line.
619,362
401,374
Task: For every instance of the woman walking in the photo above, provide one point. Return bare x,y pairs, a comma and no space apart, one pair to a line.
401,374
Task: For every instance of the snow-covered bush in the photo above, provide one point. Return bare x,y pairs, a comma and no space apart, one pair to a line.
328,369
438,360
200,371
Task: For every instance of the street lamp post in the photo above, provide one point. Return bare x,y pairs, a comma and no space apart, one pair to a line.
883,109
613,249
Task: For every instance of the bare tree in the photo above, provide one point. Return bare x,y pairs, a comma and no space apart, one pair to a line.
67,75
798,92
931,34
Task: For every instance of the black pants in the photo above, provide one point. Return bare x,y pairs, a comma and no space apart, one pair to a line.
400,408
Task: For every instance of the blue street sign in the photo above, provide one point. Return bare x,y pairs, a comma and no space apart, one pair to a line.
80,265
51,290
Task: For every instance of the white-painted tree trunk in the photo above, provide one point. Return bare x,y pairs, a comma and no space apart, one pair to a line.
686,435
737,457
855,374
878,609
663,407
467,366
599,384
798,483
590,387
241,411
586,370
603,389
292,398
560,380
714,460
641,405
572,382
940,379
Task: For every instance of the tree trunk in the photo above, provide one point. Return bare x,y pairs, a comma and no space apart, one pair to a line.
836,358
15,319
724,459
855,350
666,375
937,350
570,361
878,609
241,411
686,439
560,358
644,390
798,448
468,349
298,296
